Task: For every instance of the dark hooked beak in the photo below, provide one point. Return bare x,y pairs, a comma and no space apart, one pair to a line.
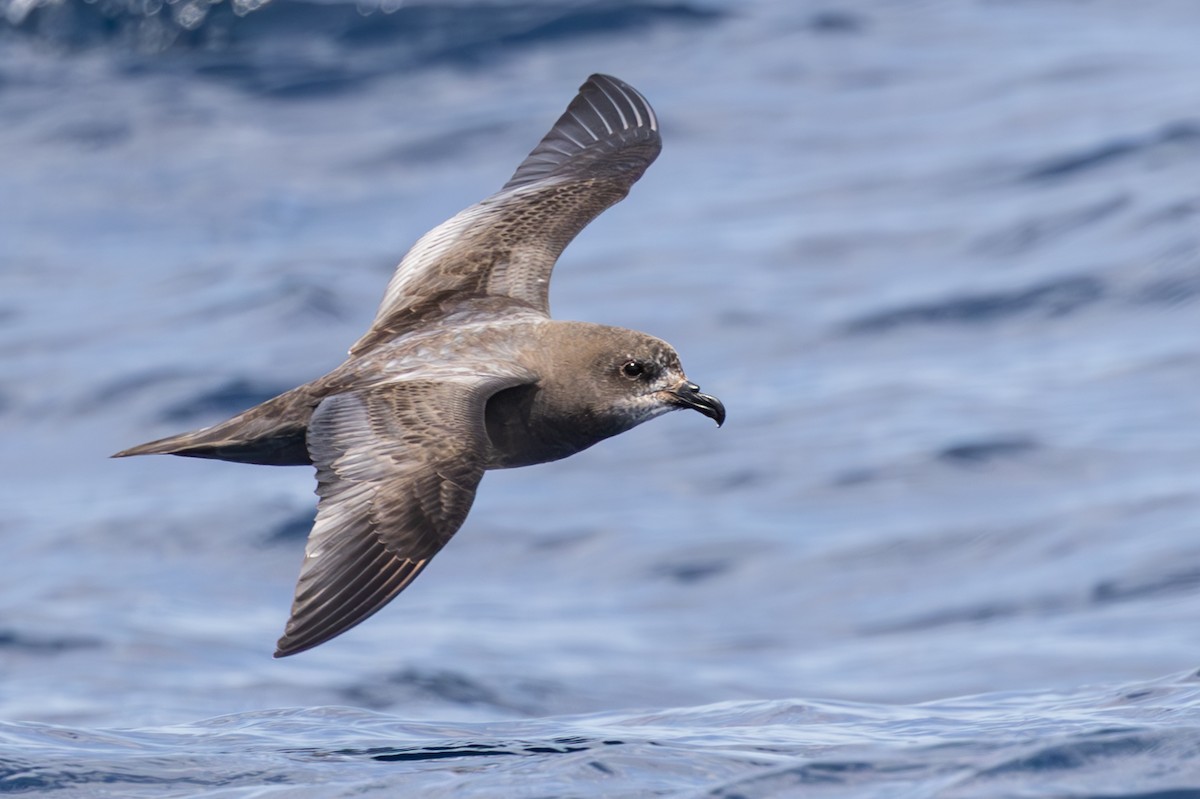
687,395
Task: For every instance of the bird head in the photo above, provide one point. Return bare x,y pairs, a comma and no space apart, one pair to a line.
632,377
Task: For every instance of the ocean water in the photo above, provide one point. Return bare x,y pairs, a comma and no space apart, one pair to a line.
941,260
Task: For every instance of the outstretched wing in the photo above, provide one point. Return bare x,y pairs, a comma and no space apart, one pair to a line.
397,468
506,246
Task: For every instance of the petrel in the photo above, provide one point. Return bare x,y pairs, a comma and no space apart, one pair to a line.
462,371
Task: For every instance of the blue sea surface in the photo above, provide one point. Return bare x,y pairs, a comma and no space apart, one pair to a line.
941,261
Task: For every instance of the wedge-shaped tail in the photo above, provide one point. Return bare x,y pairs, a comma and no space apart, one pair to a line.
270,434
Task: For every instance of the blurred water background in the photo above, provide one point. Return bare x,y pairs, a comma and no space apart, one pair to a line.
940,260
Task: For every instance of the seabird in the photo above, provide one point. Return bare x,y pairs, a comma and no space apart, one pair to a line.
462,371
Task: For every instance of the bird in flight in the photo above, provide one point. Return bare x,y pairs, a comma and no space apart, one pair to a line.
462,371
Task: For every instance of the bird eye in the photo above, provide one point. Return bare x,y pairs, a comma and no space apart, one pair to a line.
633,369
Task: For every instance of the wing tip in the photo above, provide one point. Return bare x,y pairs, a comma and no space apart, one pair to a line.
632,95
287,644
293,641
305,631
607,114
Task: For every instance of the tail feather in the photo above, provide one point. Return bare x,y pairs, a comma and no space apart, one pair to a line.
163,446
270,434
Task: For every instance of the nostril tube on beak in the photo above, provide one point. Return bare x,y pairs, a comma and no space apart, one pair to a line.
687,395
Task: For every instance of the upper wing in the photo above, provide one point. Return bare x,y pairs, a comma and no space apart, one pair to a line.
397,468
506,246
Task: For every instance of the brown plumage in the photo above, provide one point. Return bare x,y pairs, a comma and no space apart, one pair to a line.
462,371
